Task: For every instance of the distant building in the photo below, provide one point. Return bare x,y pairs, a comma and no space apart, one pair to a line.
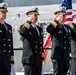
17,3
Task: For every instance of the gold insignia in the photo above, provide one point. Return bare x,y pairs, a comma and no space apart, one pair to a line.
36,13
64,10
27,25
4,10
71,26
5,6
42,54
70,54
64,13
40,42
54,24
12,58
43,62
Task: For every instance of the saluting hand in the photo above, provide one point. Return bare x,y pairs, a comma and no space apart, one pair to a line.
58,17
31,18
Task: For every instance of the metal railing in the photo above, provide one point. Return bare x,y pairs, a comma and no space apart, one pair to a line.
45,73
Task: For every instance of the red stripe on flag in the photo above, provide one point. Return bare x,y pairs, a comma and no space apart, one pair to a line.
46,45
68,19
47,40
68,13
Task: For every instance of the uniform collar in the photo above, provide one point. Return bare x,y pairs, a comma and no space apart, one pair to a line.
2,22
34,25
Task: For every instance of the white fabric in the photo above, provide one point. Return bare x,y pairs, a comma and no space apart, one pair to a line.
59,9
2,4
42,72
32,9
12,70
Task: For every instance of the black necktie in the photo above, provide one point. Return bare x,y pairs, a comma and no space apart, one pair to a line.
3,27
65,28
35,32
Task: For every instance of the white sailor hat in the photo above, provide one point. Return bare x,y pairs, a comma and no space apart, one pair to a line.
74,15
32,11
60,10
3,7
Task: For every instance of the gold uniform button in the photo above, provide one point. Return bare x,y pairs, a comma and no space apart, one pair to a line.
4,39
36,42
40,42
4,50
36,46
64,37
4,44
40,47
9,45
30,33
8,39
9,51
64,47
40,52
35,51
69,37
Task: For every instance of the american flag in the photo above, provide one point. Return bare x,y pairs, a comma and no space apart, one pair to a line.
47,43
68,5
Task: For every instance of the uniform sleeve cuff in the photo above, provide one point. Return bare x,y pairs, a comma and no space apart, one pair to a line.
29,22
